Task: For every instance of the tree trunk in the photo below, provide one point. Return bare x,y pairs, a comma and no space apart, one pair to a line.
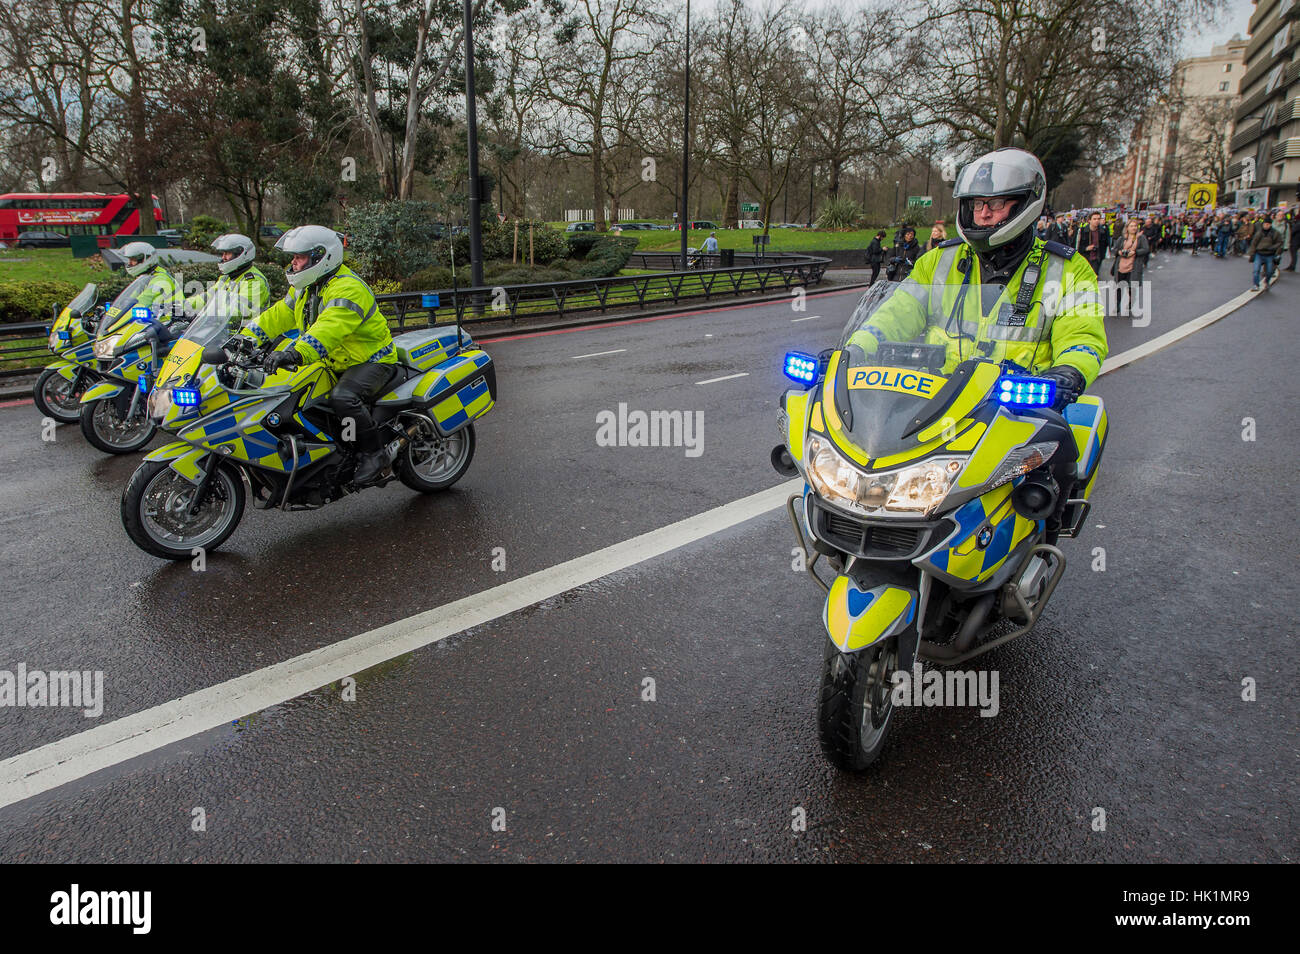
597,184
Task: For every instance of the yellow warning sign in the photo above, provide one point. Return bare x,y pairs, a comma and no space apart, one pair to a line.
1201,195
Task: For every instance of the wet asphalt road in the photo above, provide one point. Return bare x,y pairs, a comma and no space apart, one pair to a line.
1127,696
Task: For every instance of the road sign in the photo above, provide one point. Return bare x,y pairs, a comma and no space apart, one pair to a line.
749,210
1202,195
919,201
1252,198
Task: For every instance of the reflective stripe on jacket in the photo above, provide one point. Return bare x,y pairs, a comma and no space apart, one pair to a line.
347,328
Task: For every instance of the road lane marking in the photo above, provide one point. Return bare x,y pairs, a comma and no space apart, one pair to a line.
809,318
743,374
1177,334
73,757
112,743
597,354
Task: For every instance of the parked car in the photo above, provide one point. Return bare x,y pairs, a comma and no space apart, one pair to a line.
750,224
271,232
704,224
43,240
581,227
173,236
788,225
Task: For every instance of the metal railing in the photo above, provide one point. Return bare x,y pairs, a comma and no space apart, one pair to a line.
23,350
510,302
20,356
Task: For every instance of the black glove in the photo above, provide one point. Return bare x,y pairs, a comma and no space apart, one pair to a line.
289,358
1069,385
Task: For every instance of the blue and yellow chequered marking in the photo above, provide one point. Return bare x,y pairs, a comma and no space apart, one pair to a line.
442,379
465,405
239,430
961,557
856,618
185,459
1087,420
1005,433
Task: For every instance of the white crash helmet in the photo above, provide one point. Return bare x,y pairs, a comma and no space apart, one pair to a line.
242,245
322,244
1008,172
141,250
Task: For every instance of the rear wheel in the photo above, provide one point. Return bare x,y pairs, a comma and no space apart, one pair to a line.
429,463
855,711
107,430
54,397
156,510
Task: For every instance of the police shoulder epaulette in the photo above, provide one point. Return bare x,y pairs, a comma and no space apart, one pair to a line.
951,241
1057,248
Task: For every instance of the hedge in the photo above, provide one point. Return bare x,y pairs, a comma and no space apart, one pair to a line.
21,302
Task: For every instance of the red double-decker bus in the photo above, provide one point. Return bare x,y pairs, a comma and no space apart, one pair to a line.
72,213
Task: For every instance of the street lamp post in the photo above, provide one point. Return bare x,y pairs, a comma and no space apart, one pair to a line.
471,121
895,201
812,174
686,135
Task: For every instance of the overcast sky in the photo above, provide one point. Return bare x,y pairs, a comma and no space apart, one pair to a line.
1234,20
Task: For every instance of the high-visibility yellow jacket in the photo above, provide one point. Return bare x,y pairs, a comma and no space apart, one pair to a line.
338,323
1064,324
248,291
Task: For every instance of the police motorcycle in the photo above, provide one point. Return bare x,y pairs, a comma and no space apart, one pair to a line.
128,350
245,430
936,486
60,386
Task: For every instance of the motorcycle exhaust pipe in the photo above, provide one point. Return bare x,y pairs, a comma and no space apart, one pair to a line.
782,462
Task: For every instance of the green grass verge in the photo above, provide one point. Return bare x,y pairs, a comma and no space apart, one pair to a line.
48,264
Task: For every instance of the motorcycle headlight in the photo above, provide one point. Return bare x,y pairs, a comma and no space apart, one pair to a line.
159,403
104,346
918,488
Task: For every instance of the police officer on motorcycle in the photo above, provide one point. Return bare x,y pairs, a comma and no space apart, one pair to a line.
241,281
162,288
1000,196
339,323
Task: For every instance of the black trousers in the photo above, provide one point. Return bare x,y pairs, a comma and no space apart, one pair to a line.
1291,265
356,389
875,271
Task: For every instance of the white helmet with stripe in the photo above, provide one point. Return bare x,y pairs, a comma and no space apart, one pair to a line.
143,251
322,245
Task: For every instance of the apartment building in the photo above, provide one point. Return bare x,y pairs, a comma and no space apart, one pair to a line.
1267,137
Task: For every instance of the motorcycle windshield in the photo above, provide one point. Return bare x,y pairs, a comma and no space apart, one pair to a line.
220,318
903,343
119,312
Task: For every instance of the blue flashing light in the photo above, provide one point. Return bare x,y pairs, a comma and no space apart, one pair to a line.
64,336
141,313
185,397
800,367
1019,390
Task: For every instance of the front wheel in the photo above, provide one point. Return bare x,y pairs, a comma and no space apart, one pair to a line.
54,397
106,429
855,709
429,463
157,504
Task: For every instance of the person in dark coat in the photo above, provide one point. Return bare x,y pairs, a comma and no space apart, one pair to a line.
876,255
1093,240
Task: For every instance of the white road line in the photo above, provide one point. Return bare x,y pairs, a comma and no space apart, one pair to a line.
743,374
1182,331
112,743
809,318
107,745
597,354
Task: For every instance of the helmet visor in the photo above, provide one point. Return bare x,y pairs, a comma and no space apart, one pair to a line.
989,176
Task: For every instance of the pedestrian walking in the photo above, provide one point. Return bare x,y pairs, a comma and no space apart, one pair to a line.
1265,246
1294,242
876,255
1126,267
1093,241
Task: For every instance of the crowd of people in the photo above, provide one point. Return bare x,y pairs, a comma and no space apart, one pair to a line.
1131,239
